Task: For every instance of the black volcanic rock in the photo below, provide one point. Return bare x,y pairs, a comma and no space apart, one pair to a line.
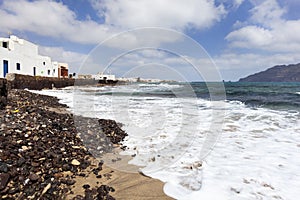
3,93
279,73
39,148
4,178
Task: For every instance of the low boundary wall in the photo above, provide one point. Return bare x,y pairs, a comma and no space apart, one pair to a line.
18,81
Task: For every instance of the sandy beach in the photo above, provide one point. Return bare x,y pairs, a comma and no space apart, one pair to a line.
43,157
126,185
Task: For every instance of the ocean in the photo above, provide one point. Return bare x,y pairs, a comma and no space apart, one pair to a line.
246,146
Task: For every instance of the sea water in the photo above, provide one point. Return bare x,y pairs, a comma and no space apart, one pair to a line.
254,153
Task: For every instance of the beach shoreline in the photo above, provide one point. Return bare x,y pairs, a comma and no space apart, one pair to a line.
42,156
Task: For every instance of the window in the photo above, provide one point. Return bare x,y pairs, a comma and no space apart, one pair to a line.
44,63
18,66
54,71
4,44
5,68
48,72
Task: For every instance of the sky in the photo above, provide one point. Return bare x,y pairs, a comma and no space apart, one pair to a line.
192,39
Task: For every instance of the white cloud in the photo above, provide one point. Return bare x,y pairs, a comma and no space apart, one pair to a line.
48,18
54,19
143,37
176,14
74,59
268,13
250,36
237,3
268,31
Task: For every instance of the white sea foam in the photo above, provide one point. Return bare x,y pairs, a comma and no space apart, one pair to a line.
161,85
256,156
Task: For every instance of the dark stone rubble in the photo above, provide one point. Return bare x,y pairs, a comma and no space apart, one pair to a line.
3,93
39,146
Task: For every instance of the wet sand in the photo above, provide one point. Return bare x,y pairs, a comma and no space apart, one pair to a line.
131,186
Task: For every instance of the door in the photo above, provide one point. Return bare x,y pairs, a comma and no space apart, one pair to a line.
34,71
5,68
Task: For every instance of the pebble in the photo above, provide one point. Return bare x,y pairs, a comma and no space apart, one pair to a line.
86,186
35,164
20,162
68,181
34,177
46,188
66,167
75,162
4,178
3,167
25,148
35,138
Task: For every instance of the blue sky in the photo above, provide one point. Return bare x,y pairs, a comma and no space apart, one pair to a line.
240,36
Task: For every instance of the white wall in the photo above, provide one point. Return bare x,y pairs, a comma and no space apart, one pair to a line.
25,53
55,69
104,76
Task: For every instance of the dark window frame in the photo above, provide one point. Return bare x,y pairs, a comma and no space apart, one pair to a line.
18,66
5,44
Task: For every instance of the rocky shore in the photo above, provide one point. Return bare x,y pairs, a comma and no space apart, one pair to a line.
42,152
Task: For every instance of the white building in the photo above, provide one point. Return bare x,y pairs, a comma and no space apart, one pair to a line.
128,79
101,76
60,69
85,76
21,57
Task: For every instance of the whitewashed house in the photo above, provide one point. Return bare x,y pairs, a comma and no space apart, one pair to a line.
60,69
21,57
102,76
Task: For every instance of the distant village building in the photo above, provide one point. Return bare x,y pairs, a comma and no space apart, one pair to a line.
21,57
85,76
123,79
142,80
98,77
104,77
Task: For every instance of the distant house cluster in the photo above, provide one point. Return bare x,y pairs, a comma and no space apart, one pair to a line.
99,76
22,57
110,77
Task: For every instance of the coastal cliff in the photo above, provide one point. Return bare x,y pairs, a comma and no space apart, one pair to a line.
279,73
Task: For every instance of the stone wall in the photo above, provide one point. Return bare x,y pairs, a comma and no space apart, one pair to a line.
3,93
18,81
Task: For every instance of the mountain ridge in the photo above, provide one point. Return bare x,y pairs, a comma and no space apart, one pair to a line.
278,73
